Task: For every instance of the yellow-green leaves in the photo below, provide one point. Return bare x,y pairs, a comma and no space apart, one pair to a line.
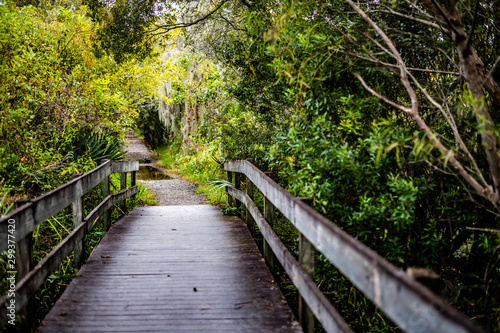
53,86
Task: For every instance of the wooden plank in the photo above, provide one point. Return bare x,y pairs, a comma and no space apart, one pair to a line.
105,193
307,258
248,217
269,217
237,184
410,305
229,198
235,292
79,256
133,179
24,256
319,304
24,222
123,185
28,286
54,201
179,325
92,178
124,166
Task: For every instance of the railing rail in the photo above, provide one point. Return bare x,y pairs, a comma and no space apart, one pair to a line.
17,228
410,305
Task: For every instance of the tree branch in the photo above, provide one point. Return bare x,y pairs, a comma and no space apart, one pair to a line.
491,71
486,191
169,27
473,27
394,51
413,69
444,16
383,98
231,23
412,18
246,3
451,122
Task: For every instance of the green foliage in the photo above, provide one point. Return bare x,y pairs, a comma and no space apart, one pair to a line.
124,25
200,166
97,146
5,207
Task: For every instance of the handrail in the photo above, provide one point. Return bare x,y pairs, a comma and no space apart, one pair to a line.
36,211
409,304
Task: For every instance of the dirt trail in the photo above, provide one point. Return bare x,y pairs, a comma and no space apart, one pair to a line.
169,190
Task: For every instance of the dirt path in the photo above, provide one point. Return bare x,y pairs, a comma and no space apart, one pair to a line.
168,188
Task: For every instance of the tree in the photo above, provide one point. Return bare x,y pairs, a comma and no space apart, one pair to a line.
131,28
484,90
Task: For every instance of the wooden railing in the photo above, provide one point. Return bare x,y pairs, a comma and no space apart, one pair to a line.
16,229
413,307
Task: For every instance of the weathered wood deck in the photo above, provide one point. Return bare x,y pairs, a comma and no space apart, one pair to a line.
172,269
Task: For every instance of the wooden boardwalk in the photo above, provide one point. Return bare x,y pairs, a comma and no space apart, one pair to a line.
173,269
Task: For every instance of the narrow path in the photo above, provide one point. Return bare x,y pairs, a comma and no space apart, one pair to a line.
171,191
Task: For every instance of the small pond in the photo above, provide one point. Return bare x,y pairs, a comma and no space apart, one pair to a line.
149,172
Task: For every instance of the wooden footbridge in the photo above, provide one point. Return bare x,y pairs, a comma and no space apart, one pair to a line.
192,269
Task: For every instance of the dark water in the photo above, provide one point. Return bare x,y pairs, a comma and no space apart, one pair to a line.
148,172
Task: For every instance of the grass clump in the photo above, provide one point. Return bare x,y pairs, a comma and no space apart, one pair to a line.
200,166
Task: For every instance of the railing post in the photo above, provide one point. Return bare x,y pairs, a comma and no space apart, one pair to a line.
237,185
105,193
307,254
249,218
250,192
123,185
133,180
24,250
229,198
24,264
77,220
269,216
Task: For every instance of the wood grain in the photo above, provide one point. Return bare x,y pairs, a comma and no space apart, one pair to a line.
173,269
318,303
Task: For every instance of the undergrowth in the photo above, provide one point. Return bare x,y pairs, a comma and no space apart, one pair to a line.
200,166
